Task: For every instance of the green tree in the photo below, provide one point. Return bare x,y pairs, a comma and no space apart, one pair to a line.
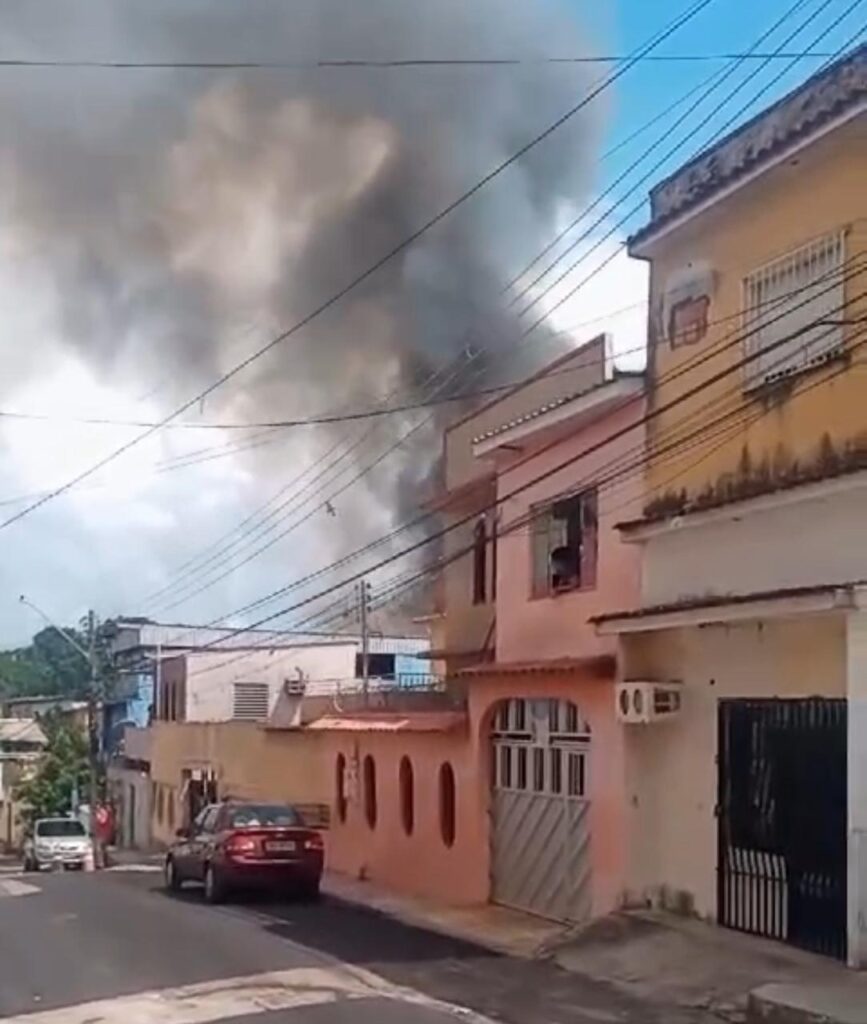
49,666
62,771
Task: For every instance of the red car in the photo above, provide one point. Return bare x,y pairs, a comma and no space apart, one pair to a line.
233,846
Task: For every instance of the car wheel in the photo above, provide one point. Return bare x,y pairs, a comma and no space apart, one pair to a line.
215,889
29,866
173,880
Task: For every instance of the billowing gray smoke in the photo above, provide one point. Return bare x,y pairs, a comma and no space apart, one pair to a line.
184,216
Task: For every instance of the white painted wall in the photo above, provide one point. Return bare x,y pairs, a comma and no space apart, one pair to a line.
671,766
815,538
211,675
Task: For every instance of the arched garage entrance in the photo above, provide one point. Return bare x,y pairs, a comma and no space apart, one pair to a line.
540,820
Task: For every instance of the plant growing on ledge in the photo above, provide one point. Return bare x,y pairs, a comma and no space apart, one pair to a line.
753,479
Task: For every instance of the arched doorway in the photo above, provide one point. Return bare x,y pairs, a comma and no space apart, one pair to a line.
540,820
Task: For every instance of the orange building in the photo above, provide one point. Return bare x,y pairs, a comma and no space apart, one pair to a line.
510,787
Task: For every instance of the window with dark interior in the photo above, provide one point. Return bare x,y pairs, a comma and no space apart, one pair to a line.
480,562
447,804
340,787
407,795
370,791
564,544
379,666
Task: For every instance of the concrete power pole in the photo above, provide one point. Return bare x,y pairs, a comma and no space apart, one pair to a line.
93,704
94,728
363,600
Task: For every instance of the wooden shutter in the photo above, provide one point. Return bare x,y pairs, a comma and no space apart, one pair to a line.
590,538
540,549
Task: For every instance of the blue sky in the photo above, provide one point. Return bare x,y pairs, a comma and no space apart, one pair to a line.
725,26
710,110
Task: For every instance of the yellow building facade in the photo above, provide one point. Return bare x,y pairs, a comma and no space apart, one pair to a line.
747,784
773,218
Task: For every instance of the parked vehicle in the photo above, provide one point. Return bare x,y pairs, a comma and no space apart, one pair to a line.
235,846
56,842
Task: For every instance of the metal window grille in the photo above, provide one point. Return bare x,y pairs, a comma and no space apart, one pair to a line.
792,311
250,702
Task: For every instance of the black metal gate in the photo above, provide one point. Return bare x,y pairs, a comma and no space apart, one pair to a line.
781,869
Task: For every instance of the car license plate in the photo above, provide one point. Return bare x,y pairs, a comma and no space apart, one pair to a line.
281,846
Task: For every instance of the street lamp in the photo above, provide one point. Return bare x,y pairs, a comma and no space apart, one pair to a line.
68,637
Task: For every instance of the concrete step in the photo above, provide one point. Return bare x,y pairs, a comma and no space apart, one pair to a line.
843,1003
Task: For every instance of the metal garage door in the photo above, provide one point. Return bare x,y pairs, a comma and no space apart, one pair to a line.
540,827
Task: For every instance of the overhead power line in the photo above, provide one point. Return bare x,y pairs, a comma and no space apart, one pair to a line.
381,412
717,79
386,64
714,430
687,367
685,396
646,176
705,89
674,445
190,580
406,243
315,574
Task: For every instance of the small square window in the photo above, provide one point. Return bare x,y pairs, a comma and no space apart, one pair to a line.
688,321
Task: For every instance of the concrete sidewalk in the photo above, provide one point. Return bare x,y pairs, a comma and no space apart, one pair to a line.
843,1003
692,964
658,958
496,928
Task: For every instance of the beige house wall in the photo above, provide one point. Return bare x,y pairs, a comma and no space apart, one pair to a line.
249,762
748,547
671,773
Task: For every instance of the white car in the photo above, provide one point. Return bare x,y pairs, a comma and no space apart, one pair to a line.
56,842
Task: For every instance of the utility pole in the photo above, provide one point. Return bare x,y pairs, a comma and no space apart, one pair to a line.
94,728
93,707
364,598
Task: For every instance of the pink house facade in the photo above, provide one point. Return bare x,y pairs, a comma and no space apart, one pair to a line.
516,795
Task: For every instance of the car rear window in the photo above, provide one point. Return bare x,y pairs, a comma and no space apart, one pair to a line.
63,827
264,816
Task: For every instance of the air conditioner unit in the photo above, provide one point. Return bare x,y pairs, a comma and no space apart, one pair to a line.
640,703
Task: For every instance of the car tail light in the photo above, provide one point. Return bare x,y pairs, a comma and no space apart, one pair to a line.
314,842
239,845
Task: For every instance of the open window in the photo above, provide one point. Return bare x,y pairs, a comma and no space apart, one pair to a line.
480,562
448,803
565,539
407,795
370,805
379,666
340,787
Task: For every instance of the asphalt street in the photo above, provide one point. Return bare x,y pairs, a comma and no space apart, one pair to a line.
114,947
